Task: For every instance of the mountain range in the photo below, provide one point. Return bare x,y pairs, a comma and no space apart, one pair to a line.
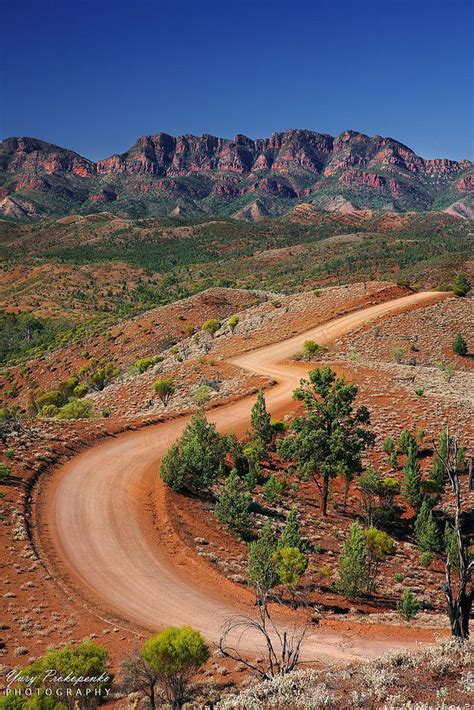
196,176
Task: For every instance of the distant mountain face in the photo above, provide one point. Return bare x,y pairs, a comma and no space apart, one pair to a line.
244,178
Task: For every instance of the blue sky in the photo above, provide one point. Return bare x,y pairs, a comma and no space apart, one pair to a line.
95,76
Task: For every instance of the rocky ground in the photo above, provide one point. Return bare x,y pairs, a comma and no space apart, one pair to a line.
421,338
150,334
198,360
434,678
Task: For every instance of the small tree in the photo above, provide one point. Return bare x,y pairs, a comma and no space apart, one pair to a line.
290,565
461,285
176,655
426,529
331,437
261,572
459,346
407,442
352,578
233,505
196,460
233,322
379,546
164,389
211,326
378,495
369,484
100,374
390,449
252,453
408,605
291,535
236,449
437,476
412,480
273,489
261,422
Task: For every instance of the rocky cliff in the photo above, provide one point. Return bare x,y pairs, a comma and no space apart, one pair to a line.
198,175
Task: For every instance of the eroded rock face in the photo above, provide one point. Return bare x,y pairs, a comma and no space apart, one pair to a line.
203,174
31,155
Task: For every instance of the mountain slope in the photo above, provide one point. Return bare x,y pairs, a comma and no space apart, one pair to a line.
198,175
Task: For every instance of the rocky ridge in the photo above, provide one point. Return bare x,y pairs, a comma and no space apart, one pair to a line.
249,179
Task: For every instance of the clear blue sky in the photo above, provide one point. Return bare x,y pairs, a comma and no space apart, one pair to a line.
94,76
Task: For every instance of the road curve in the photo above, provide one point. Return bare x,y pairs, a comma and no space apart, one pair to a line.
107,542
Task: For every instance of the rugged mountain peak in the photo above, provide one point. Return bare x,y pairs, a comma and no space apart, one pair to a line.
206,174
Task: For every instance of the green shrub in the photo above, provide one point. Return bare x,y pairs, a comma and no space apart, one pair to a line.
461,285
67,387
311,350
377,495
447,370
53,397
353,579
426,558
233,505
408,606
426,530
211,326
164,389
278,426
100,374
323,573
5,471
379,546
80,391
291,535
459,346
261,572
260,420
76,409
143,364
176,655
290,565
202,395
196,460
399,577
48,411
84,662
273,489
407,441
451,546
398,354
233,323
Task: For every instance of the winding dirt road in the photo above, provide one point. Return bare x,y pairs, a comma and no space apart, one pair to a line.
110,545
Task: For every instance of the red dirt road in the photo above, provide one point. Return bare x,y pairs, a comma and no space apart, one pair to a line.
112,544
